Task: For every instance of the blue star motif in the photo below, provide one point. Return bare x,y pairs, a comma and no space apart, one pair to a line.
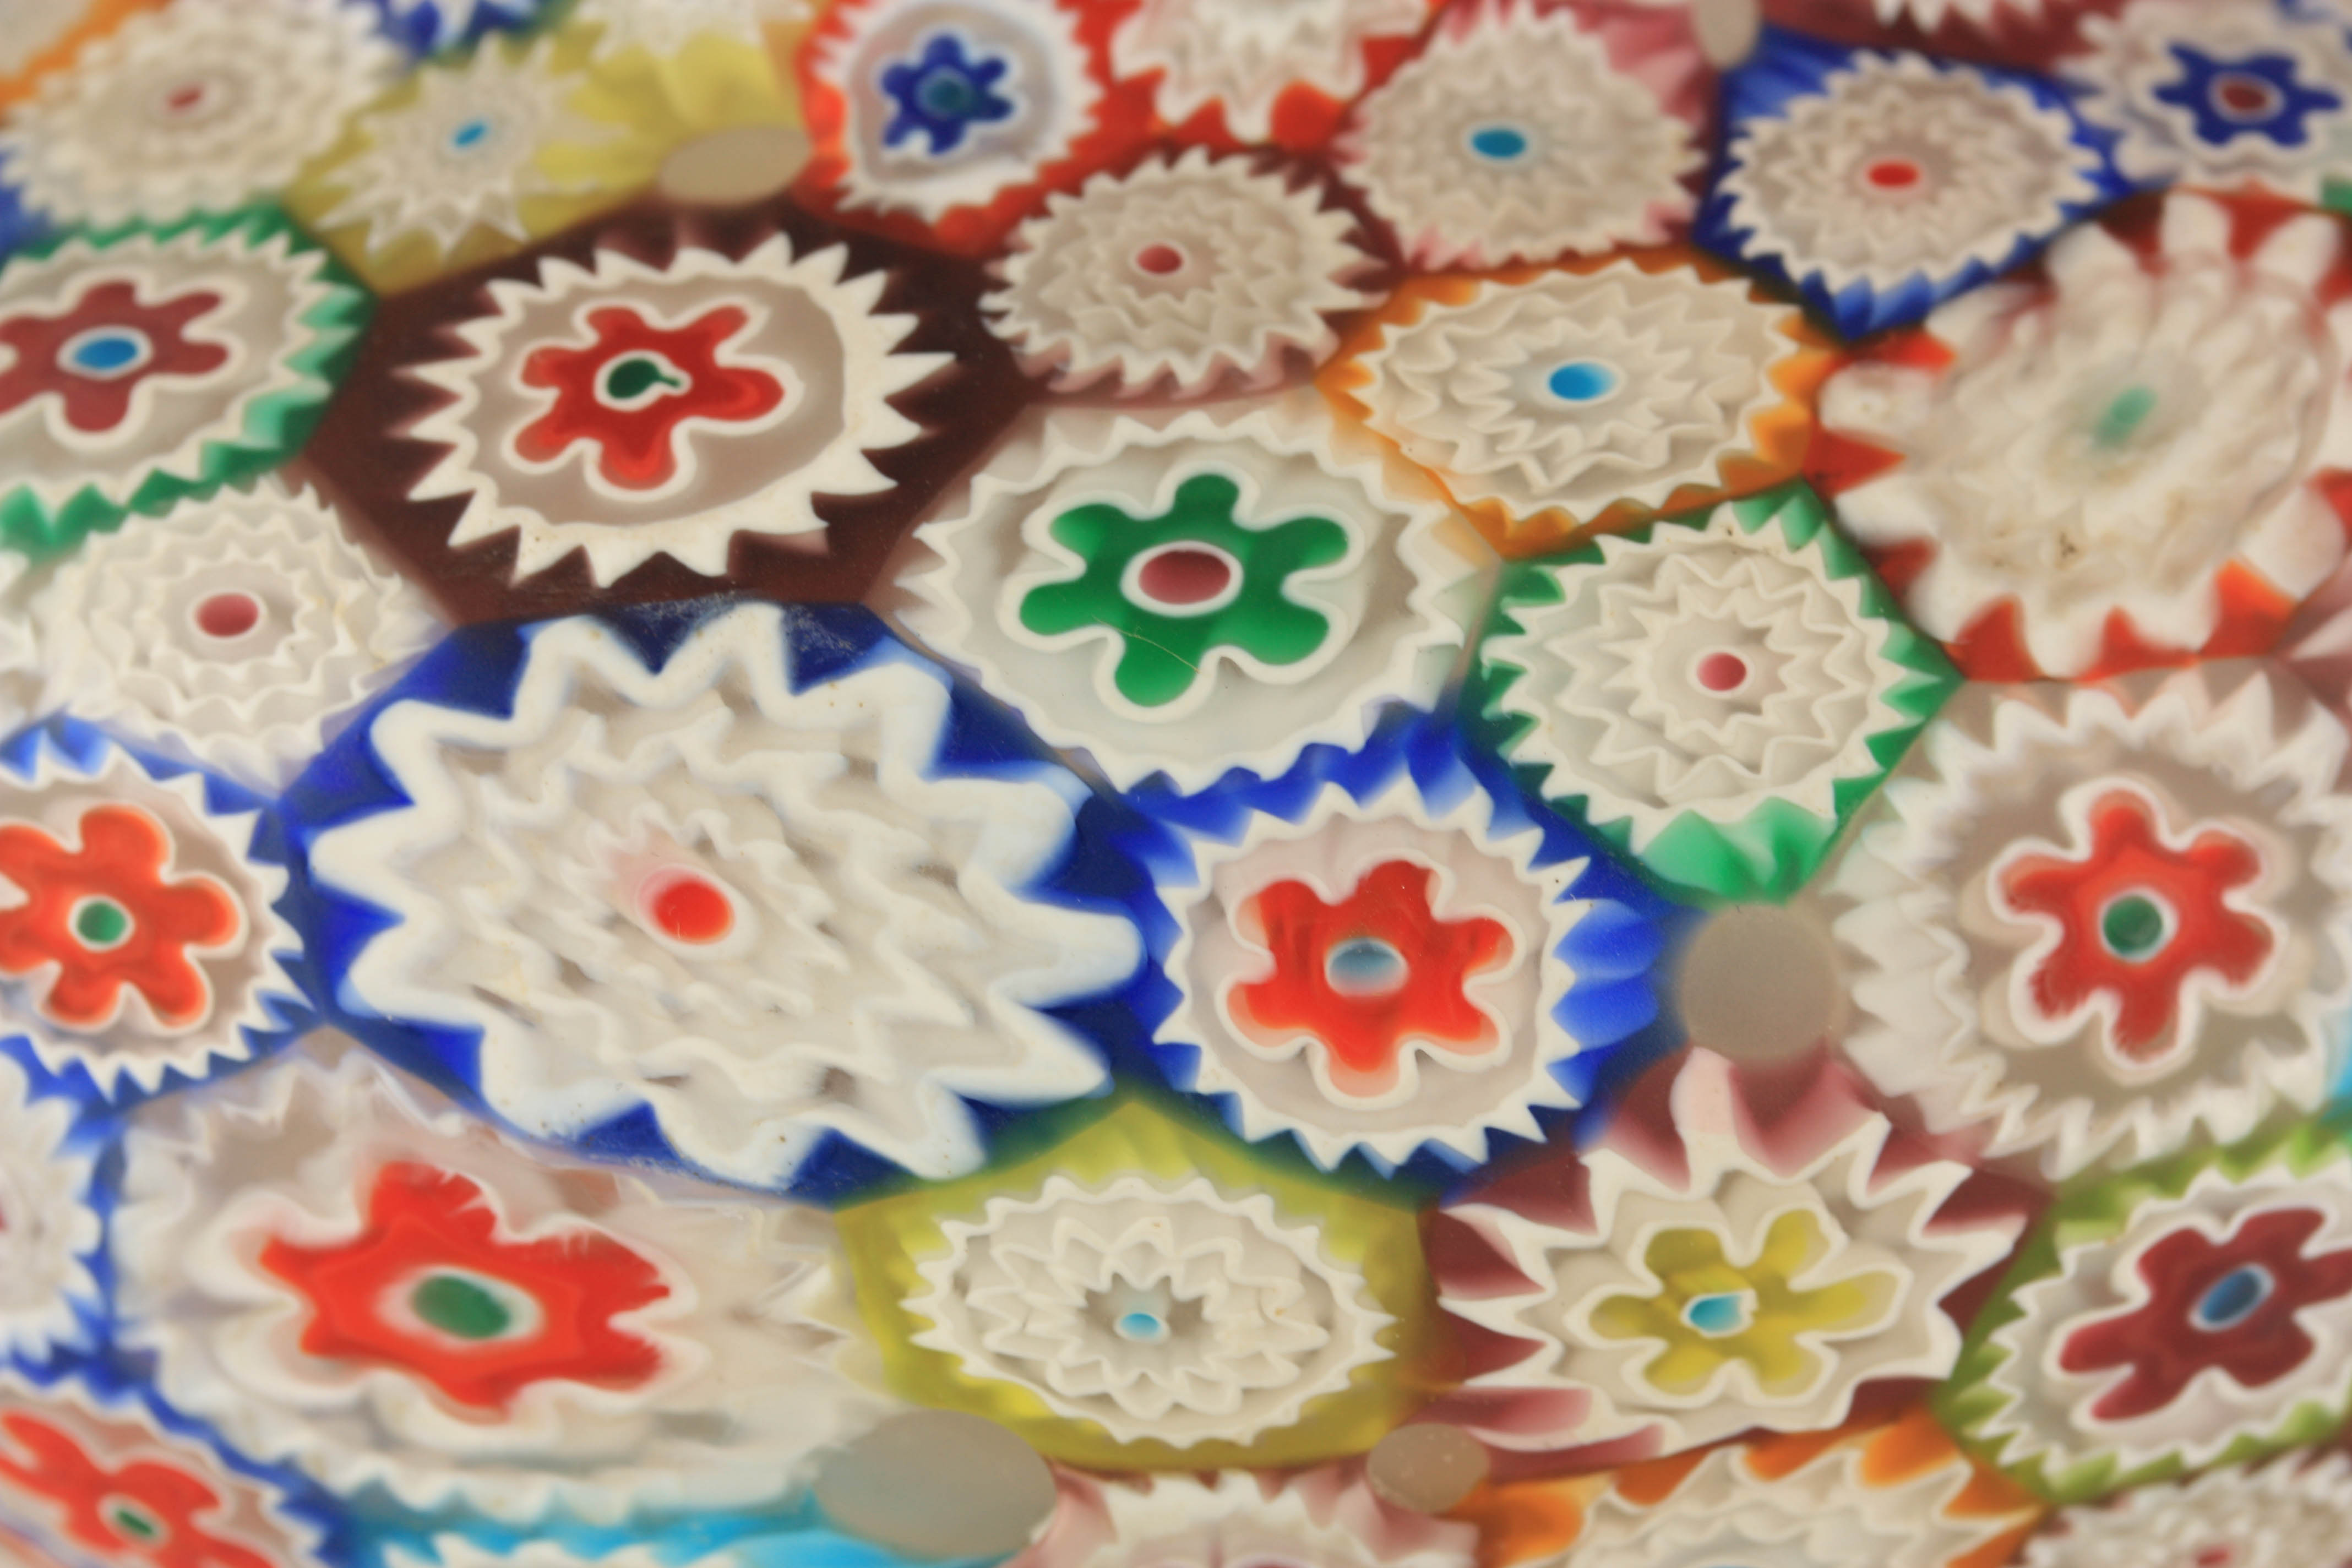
941,93
2257,96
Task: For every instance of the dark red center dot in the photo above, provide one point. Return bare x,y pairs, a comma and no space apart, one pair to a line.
230,615
2243,95
185,97
2214,1557
1722,672
690,909
1893,173
1160,260
1182,576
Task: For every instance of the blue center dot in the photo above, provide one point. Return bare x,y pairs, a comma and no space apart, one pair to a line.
1582,381
1500,143
2233,1298
1724,1312
1365,966
1143,1328
470,135
110,351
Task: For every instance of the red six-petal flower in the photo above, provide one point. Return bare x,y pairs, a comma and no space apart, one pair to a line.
2165,1346
665,375
146,1508
2127,856
1364,1028
122,862
425,1225
97,400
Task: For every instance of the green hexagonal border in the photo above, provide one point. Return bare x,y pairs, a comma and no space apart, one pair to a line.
1771,853
275,427
2100,1208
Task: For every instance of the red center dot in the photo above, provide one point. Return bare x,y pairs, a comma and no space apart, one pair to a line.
1722,672
690,909
1160,260
2240,96
1182,576
2214,1557
1893,173
185,97
228,614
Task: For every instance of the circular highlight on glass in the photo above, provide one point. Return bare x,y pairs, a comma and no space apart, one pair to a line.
729,168
1427,1467
1761,983
938,1483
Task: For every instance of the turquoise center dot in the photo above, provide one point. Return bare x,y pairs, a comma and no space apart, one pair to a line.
132,1522
1582,381
2133,927
2125,414
1726,1312
470,134
1364,966
1500,144
944,95
631,378
2233,1297
1143,1328
100,923
103,353
460,1307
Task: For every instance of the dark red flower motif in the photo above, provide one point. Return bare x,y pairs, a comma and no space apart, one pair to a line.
628,393
94,357
1368,974
146,1509
2229,1305
2138,918
106,915
431,1287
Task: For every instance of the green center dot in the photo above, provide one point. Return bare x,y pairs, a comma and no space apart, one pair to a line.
460,1307
100,923
2133,926
631,378
2125,413
134,1523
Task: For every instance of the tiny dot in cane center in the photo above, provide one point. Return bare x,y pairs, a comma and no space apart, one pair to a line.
1722,672
1142,1326
1716,1315
134,1523
2133,927
227,615
471,134
689,908
1582,381
2245,97
1500,143
1184,577
1159,259
99,924
1365,966
1893,173
461,1308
